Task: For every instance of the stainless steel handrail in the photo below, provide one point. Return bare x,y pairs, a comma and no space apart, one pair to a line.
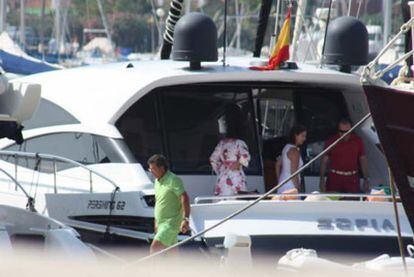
54,159
30,200
201,199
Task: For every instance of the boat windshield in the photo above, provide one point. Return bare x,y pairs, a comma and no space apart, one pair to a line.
81,147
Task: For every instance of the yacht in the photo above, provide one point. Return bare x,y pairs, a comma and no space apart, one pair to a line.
391,108
26,227
112,118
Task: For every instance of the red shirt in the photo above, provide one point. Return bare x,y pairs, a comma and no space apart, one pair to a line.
345,155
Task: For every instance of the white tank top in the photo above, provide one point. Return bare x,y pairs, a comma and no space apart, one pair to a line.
285,172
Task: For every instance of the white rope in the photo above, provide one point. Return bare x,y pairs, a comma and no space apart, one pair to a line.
381,73
369,70
248,206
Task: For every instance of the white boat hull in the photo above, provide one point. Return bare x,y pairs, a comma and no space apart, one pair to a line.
283,225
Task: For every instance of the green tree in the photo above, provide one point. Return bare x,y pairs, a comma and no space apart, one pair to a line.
132,31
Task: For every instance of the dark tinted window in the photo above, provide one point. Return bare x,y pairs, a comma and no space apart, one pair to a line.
140,127
80,147
320,111
49,114
192,117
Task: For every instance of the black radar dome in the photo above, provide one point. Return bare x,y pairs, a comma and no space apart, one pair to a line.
346,42
195,40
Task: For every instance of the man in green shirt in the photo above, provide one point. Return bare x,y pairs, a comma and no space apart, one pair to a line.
172,205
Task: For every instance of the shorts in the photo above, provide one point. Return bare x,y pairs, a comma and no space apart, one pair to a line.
288,186
167,234
344,184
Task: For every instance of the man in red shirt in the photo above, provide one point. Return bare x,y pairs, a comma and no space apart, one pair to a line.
343,163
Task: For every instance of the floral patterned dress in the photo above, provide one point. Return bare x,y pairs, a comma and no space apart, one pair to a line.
223,160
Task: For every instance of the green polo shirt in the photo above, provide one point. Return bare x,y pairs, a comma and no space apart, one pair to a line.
168,191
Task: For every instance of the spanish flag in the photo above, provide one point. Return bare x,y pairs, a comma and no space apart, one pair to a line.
280,51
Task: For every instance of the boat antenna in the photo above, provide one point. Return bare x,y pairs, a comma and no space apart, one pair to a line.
225,33
174,14
265,9
326,31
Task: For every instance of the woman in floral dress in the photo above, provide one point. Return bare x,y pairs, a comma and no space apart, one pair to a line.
230,156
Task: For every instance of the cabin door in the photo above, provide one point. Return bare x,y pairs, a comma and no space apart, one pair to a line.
276,115
279,108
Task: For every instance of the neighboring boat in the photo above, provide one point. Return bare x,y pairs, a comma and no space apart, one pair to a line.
20,228
82,196
392,110
26,228
97,51
307,260
14,60
19,225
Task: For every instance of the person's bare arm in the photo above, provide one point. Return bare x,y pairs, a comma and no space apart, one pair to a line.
322,172
278,168
185,202
294,157
364,168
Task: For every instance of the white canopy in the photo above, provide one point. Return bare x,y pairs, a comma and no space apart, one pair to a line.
101,43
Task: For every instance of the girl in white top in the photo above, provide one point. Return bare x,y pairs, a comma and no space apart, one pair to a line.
290,159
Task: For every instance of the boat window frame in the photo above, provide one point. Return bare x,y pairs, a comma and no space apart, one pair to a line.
248,86
218,87
125,158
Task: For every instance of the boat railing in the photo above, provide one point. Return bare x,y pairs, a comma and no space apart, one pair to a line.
30,200
54,159
291,196
371,73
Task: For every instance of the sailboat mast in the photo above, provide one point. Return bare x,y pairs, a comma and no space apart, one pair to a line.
42,30
57,24
387,10
298,26
276,31
22,25
238,23
3,15
104,22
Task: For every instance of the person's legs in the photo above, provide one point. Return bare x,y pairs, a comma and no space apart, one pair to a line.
156,246
165,237
333,183
352,184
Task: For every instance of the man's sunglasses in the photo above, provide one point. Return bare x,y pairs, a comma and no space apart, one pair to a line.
342,131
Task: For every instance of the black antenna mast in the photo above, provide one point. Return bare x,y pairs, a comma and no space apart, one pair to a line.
326,30
265,9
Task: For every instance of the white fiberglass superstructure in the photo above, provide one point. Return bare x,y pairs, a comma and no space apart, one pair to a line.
129,102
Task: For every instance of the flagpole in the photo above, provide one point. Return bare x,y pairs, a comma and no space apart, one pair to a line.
280,51
273,38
